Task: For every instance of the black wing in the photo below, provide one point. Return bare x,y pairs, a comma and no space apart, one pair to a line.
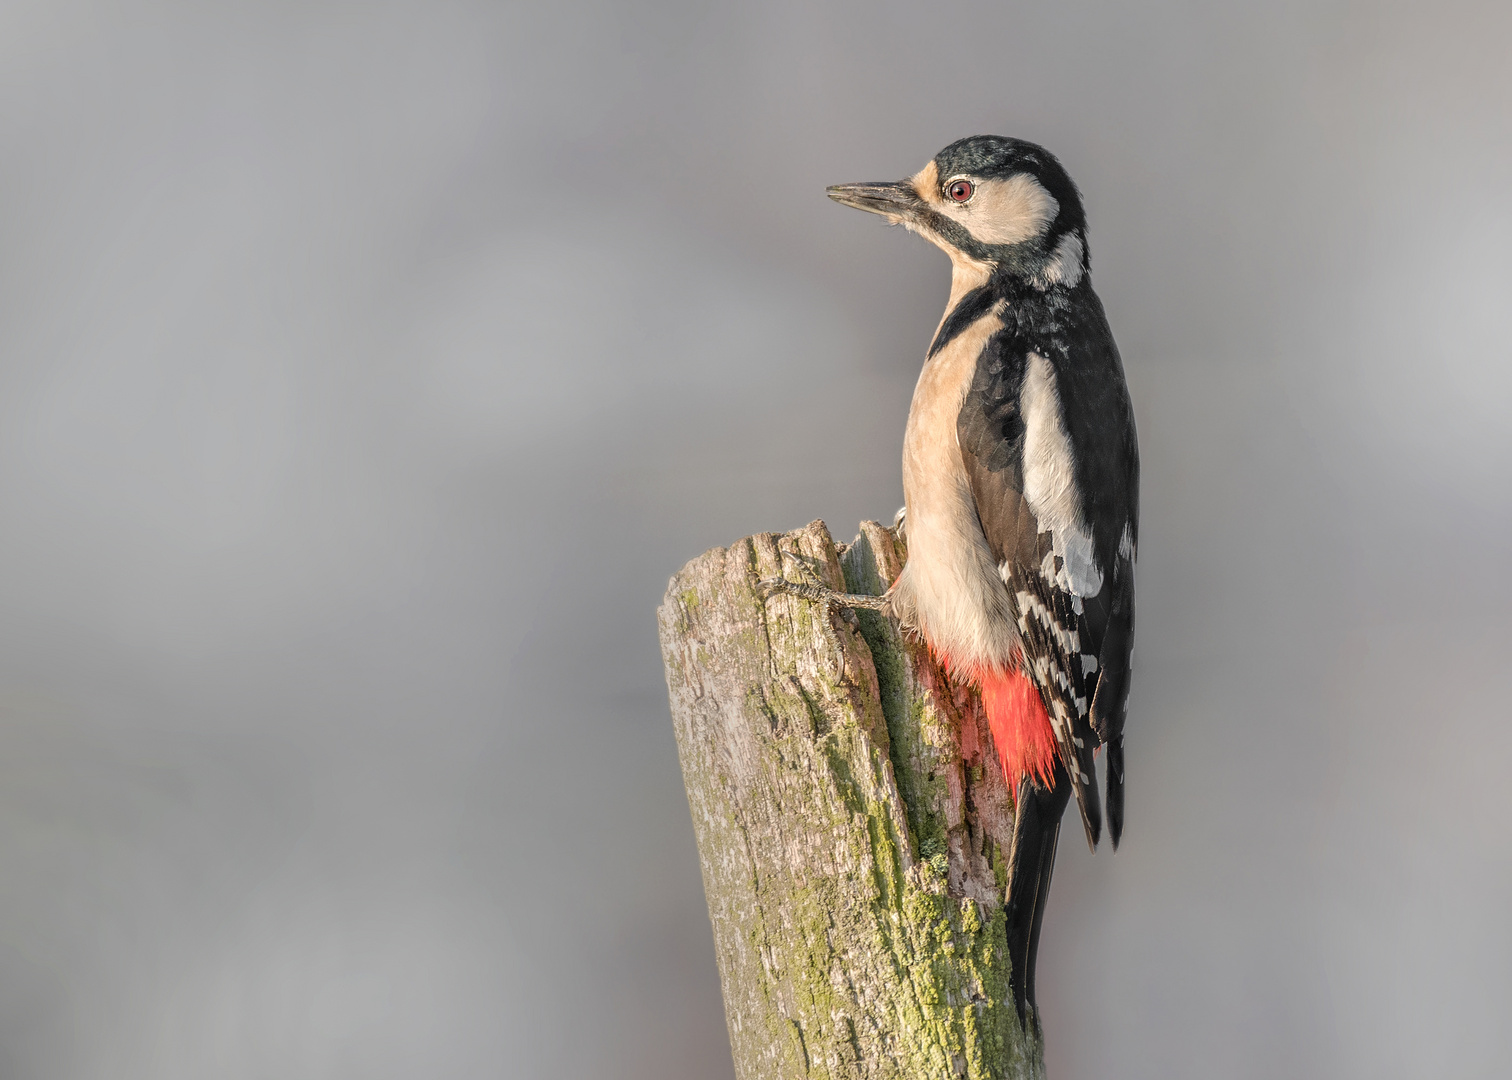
1076,648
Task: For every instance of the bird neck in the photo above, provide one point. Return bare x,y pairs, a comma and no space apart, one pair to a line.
966,276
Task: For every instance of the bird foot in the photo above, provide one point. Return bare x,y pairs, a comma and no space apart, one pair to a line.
835,603
769,587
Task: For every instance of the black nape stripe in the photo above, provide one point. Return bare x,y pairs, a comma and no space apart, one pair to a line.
972,307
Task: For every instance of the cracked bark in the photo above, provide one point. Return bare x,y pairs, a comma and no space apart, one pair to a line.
852,825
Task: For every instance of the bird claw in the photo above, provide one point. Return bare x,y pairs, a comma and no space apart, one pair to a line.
821,595
846,603
835,604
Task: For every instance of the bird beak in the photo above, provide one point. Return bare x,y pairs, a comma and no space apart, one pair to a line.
898,202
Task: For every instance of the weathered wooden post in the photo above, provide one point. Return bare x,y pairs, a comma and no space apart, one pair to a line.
852,827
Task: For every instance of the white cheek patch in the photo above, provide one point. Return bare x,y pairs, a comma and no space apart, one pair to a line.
1006,211
1050,484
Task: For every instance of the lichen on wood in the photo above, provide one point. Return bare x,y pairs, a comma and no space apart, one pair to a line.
851,823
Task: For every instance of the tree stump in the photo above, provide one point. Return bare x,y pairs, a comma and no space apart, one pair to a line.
852,823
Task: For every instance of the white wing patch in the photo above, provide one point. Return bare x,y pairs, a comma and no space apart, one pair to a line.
1050,484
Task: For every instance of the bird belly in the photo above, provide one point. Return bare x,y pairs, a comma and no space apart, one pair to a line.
949,590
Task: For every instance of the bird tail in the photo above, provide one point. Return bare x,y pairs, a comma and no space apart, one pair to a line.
1027,747
1036,829
1116,789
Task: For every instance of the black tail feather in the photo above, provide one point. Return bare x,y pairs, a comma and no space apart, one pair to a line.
1115,789
1036,828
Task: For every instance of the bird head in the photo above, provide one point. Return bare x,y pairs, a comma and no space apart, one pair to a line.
996,206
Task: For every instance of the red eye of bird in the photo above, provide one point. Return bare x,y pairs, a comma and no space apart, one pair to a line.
960,190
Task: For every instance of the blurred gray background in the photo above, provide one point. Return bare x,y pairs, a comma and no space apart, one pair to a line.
366,370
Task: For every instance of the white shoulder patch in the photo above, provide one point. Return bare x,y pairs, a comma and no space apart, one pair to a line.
1126,544
1050,484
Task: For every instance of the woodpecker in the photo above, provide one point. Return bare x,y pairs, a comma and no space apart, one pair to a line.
1021,492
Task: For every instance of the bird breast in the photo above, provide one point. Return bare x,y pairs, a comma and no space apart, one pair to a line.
949,589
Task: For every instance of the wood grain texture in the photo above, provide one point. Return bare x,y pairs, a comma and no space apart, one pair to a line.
851,825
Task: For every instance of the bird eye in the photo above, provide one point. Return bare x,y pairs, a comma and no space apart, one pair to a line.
960,190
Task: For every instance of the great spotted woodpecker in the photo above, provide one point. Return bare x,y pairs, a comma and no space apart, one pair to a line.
1021,487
